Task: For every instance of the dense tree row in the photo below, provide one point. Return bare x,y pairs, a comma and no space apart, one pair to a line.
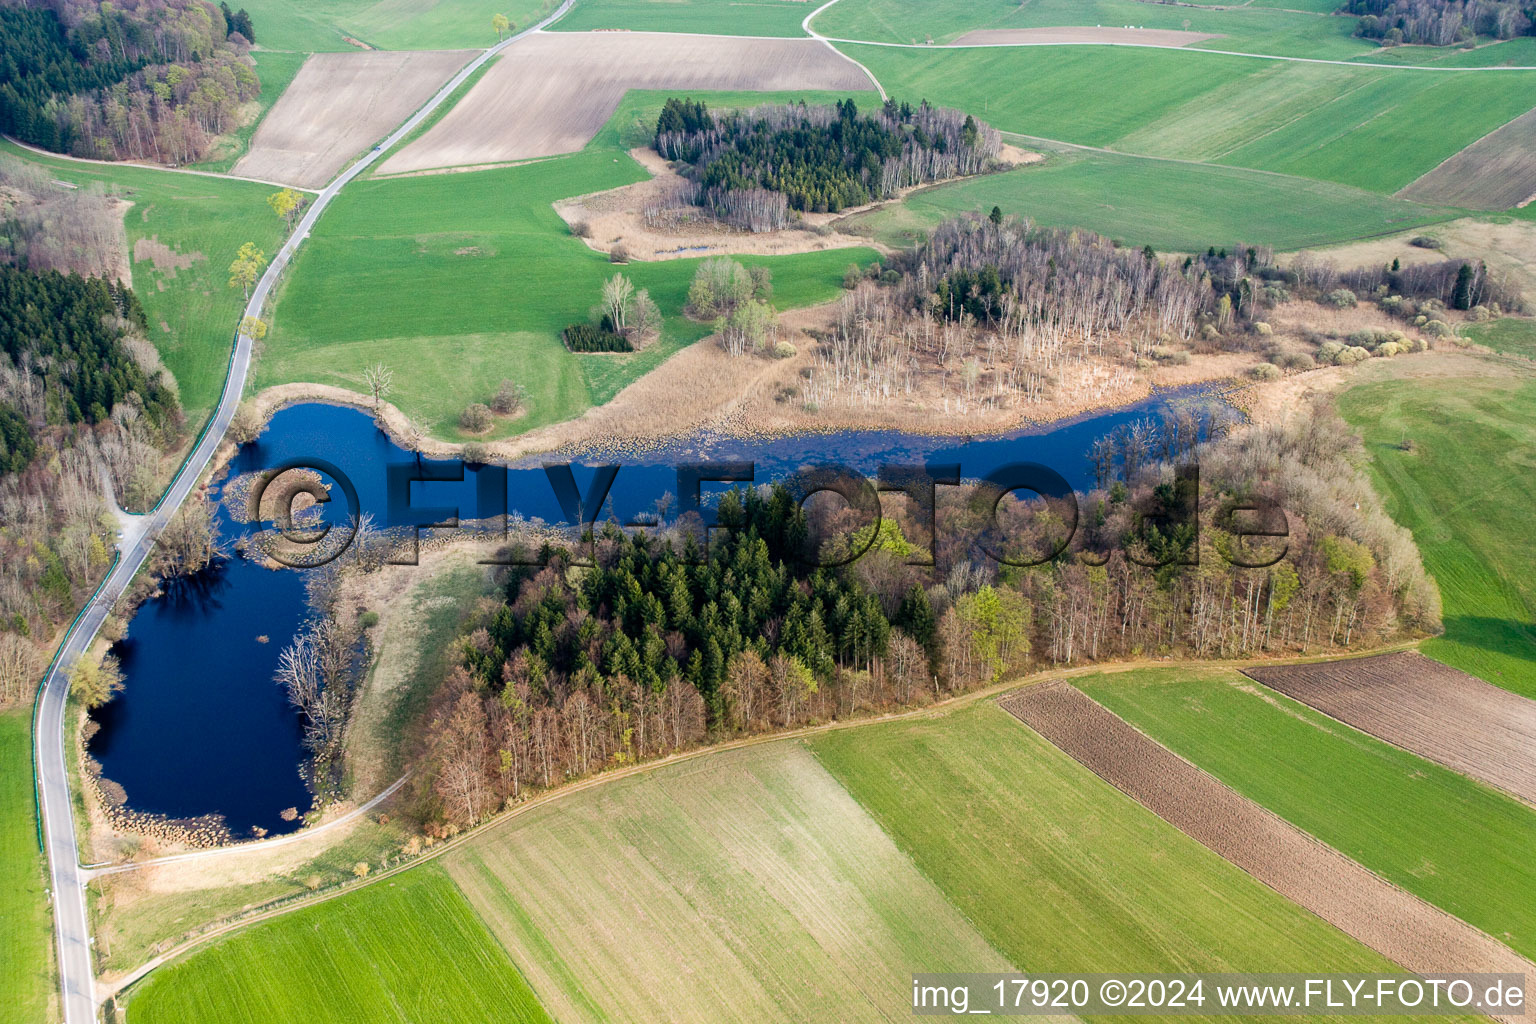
137,79
1440,22
588,338
817,158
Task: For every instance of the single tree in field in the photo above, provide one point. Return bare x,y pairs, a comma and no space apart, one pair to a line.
616,295
286,204
253,327
246,269
381,381
502,26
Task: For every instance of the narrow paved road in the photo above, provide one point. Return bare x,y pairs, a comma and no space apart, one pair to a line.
71,921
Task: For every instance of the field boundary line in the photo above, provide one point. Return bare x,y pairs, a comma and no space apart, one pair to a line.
939,709
937,48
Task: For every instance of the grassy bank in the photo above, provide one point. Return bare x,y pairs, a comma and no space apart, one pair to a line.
27,984
1462,484
1166,204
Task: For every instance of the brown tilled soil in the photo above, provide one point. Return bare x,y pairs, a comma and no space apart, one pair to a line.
551,92
1082,34
338,105
1421,705
1494,173
1396,924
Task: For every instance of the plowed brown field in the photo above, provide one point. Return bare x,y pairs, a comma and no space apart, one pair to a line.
1496,172
1421,705
338,105
1396,924
551,92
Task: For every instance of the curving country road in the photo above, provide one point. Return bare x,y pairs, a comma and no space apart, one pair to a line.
68,879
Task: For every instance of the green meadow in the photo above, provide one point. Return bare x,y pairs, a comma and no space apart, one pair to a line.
1057,869
1464,486
201,222
1347,789
1168,204
409,949
459,281
26,926
1371,128
1514,336
1253,28
705,17
275,69
324,25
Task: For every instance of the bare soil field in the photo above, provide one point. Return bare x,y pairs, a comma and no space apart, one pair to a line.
1396,924
617,216
338,105
1420,705
551,92
1496,172
1082,34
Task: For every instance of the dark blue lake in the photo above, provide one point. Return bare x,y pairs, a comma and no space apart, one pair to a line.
202,727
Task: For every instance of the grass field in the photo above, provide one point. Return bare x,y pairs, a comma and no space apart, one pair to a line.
457,281
26,927
323,25
275,69
1515,336
1467,492
744,886
1057,869
406,950
1247,29
1162,203
1371,128
1349,790
709,17
192,310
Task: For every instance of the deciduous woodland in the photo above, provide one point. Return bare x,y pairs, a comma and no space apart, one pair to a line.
997,312
1440,22
658,645
136,79
752,167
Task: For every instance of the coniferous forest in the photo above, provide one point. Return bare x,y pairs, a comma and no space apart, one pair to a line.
753,166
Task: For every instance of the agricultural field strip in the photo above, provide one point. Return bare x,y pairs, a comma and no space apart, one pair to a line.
340,104
1179,49
1496,172
755,861
1395,923
1432,710
552,92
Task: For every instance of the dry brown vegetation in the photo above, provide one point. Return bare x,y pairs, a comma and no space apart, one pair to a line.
1421,705
76,230
551,92
1082,34
1496,172
338,105
1358,902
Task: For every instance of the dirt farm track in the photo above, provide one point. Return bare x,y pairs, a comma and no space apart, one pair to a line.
1395,923
551,92
338,105
1421,705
